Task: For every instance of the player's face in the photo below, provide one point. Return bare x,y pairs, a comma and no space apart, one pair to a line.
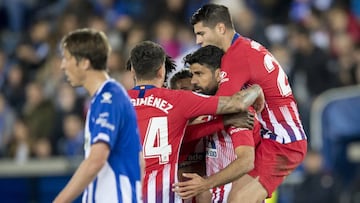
206,35
184,84
73,73
203,79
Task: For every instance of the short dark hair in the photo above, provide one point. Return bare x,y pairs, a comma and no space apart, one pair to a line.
146,59
212,14
182,74
208,55
88,44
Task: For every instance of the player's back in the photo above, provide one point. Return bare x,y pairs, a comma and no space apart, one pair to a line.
258,66
162,117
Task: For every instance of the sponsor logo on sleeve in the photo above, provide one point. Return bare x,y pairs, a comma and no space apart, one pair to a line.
223,77
102,120
106,98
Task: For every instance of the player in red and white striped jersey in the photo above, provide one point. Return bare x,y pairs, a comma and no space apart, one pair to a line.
162,115
232,149
246,62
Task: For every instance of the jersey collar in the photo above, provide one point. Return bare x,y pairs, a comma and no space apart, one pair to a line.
143,87
236,36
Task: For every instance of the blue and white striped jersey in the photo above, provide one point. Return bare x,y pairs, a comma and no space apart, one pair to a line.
112,119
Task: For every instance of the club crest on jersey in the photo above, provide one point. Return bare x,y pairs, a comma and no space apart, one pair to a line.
211,151
106,98
223,77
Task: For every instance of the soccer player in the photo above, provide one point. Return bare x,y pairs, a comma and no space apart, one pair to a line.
111,170
181,80
247,62
229,155
163,115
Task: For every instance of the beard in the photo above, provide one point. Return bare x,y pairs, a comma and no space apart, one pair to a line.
206,91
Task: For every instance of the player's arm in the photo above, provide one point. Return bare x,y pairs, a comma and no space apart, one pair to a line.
239,167
242,100
200,130
85,174
197,184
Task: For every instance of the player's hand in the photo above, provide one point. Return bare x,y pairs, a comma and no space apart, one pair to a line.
240,120
192,187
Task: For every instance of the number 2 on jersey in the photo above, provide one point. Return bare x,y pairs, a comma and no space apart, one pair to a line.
282,80
156,141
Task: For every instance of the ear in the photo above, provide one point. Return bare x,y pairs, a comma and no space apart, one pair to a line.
217,75
85,64
221,28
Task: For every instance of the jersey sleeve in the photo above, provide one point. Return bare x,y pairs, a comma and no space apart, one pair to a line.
244,136
241,136
194,104
197,131
107,119
235,71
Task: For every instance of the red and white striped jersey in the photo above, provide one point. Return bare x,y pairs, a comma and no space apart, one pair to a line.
247,62
162,116
219,153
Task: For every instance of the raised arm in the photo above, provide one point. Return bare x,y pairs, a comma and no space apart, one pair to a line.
241,101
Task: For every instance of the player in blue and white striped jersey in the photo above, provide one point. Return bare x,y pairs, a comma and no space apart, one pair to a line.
111,171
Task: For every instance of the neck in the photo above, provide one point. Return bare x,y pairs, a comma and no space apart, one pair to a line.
94,80
155,82
228,39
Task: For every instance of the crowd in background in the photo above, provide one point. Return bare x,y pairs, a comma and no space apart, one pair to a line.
317,42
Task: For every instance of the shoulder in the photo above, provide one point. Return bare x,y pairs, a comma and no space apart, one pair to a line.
246,46
112,91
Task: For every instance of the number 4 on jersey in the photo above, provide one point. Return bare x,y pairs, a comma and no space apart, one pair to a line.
156,142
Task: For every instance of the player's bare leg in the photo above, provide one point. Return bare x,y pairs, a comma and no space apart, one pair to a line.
247,190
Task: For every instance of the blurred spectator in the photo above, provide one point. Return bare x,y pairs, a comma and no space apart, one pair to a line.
72,144
83,9
344,61
120,14
248,25
311,61
41,148
33,50
39,112
4,66
14,88
116,62
356,69
116,39
317,186
50,76
66,102
19,146
64,24
316,24
136,34
310,71
165,34
7,119
354,190
342,21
